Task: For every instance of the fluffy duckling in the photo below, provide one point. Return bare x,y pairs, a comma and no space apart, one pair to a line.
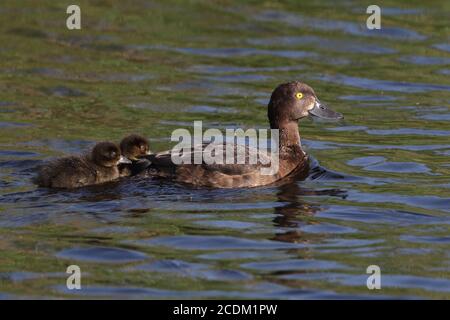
98,166
134,147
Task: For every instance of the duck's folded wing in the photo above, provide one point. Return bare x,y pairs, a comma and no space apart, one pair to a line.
244,159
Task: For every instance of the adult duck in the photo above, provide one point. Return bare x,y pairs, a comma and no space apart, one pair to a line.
288,103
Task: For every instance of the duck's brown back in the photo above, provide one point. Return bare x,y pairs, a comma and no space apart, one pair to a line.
228,175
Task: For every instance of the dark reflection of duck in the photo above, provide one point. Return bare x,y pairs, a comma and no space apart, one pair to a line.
134,147
289,103
98,166
296,209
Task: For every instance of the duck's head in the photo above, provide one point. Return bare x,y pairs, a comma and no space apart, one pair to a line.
107,154
134,146
295,100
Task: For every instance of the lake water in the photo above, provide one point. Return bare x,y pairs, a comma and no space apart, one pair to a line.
379,189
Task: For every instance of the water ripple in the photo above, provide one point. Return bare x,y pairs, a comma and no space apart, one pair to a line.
352,28
383,85
102,254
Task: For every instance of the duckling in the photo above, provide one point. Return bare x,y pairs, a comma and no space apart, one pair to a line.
98,166
288,103
134,147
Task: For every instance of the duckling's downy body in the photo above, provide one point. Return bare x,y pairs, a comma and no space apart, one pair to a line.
289,103
99,166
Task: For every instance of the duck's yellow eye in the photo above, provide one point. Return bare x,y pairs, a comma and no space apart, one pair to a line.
299,95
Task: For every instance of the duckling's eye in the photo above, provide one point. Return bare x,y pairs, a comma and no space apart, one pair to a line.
299,95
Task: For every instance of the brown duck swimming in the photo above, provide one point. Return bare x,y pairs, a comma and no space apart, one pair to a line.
98,166
289,103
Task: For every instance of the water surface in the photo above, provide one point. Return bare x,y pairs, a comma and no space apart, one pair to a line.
378,192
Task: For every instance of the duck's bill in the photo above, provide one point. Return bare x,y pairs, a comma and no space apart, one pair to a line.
122,159
321,111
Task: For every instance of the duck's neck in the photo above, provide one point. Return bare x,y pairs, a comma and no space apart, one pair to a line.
288,133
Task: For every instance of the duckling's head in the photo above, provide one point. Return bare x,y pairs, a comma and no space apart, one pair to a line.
295,100
134,146
107,154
